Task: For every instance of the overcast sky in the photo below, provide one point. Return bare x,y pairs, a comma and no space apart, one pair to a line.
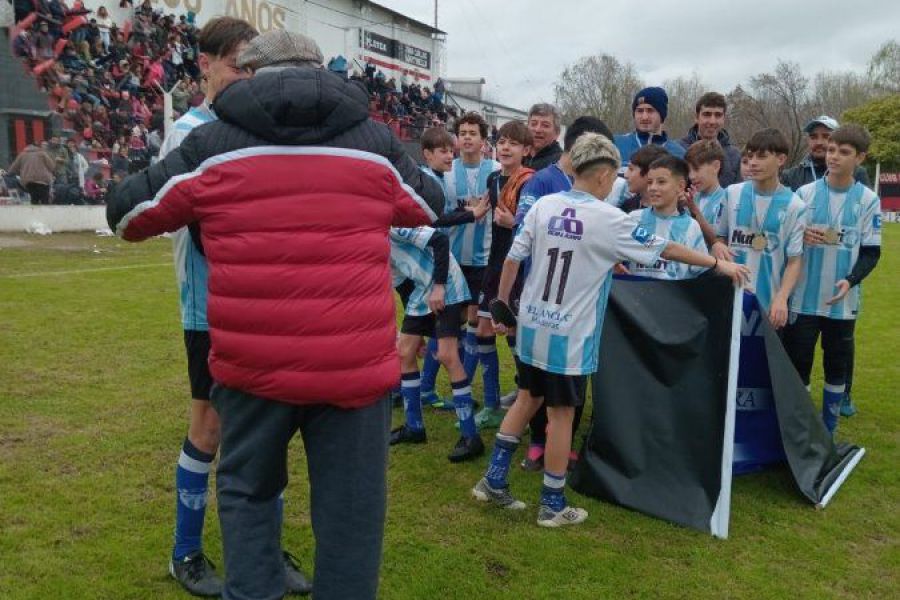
521,46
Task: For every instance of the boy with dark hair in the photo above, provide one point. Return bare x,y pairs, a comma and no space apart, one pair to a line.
666,184
220,42
574,239
471,244
434,309
709,126
504,188
843,245
636,175
705,159
762,225
557,178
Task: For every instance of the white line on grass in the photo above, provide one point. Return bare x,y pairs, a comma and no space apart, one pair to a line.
78,271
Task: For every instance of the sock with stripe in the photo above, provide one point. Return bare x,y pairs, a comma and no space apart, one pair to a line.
498,469
430,367
462,400
831,404
490,370
470,360
191,491
552,492
410,388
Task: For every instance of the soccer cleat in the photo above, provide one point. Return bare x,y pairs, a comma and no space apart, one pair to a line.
570,515
573,461
489,418
509,399
396,399
405,435
434,401
534,460
848,409
197,574
295,581
483,492
466,449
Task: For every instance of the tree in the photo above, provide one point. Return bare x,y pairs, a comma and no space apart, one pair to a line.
683,94
882,118
834,93
600,86
783,98
884,68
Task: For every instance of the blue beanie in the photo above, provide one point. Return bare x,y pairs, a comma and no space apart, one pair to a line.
655,97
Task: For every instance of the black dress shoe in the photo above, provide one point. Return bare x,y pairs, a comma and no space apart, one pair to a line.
405,435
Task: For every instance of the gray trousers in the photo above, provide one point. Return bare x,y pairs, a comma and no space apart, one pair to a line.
346,455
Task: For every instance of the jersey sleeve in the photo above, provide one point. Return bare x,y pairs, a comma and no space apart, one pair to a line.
634,243
870,235
796,227
531,191
415,236
522,244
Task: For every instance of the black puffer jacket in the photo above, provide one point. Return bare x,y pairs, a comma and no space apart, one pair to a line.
730,172
292,107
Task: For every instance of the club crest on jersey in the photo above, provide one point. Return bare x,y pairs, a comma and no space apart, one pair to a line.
876,222
566,226
642,236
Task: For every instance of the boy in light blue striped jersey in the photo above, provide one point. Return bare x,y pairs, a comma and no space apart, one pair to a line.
434,309
842,246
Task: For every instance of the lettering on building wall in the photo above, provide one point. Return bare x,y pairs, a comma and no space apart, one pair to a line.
259,13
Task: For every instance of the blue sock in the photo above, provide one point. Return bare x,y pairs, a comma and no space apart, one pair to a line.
462,400
552,494
430,367
412,400
191,490
498,469
490,370
831,404
470,360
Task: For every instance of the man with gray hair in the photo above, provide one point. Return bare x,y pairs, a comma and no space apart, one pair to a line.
300,307
545,123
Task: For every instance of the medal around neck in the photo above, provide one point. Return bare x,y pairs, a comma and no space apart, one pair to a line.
759,242
832,237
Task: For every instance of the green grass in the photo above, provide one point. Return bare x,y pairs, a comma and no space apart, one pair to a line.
94,405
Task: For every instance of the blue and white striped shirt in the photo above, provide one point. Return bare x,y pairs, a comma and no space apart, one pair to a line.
470,244
710,205
680,228
412,259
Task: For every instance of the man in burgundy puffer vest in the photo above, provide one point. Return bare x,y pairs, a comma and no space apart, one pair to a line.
291,194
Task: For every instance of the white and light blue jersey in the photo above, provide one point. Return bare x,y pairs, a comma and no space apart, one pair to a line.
680,228
412,259
449,198
573,240
710,205
855,213
191,271
619,193
470,244
774,222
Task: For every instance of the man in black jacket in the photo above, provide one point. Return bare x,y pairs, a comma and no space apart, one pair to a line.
544,122
812,167
710,125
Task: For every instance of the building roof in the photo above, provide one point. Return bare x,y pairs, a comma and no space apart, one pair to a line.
486,102
423,25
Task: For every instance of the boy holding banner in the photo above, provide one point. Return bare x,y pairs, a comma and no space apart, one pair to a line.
842,246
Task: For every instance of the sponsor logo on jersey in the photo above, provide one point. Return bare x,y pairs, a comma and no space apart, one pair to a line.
876,222
744,239
566,226
547,318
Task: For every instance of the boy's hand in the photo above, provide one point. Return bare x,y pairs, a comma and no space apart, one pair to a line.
686,200
480,208
436,299
722,252
503,217
813,236
621,269
842,287
499,328
778,312
739,274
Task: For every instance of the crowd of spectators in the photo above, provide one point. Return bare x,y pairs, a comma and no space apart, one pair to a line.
105,81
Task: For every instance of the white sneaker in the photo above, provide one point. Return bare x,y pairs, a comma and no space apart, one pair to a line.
570,515
483,492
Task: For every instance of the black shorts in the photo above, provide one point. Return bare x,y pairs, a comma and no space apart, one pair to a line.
490,288
556,390
445,324
197,345
474,280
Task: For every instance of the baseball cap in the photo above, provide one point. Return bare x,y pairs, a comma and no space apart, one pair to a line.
824,120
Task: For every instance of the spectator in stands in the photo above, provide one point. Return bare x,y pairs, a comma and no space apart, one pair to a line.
35,170
44,41
95,189
105,25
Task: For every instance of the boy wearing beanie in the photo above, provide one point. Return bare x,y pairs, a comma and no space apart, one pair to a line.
650,108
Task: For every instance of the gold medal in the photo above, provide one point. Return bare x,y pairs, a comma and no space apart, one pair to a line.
759,242
832,237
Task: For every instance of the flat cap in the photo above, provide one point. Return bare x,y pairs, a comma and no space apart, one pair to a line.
280,48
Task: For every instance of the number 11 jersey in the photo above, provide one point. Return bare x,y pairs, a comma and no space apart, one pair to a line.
573,240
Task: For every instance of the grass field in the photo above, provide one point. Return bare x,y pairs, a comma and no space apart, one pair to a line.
93,408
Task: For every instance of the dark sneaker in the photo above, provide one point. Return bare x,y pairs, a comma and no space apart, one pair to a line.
405,435
848,409
197,574
467,448
534,459
483,492
296,581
